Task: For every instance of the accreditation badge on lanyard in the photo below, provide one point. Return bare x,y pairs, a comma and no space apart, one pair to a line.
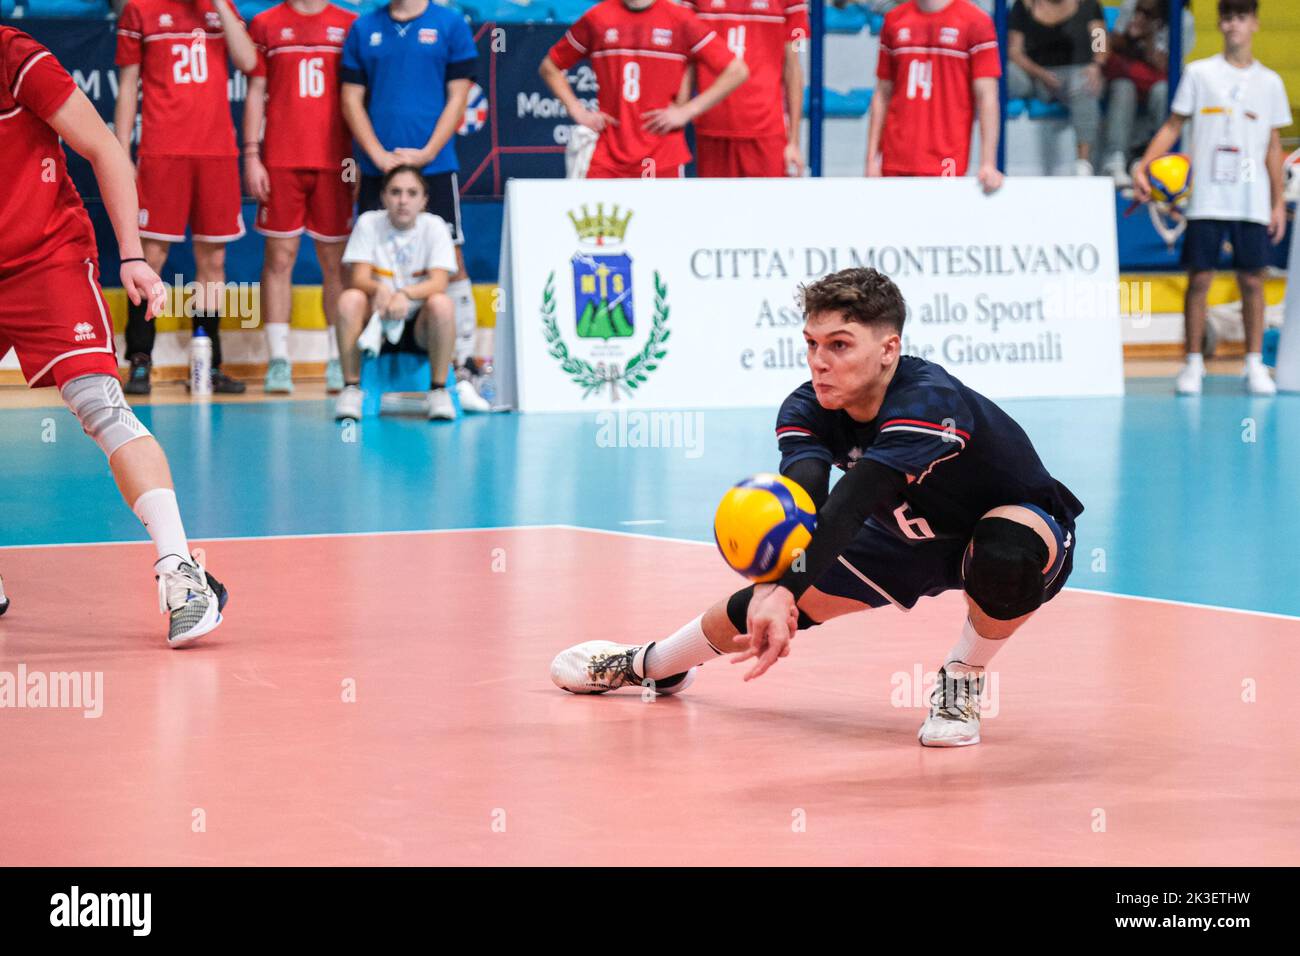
1227,164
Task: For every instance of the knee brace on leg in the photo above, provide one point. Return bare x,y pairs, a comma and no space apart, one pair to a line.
738,611
1003,568
100,406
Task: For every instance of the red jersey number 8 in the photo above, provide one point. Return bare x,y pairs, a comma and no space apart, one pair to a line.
632,81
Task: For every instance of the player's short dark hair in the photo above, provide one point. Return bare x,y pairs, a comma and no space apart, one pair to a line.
1230,8
860,295
397,171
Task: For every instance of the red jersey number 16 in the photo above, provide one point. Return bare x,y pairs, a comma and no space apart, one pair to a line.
919,77
311,78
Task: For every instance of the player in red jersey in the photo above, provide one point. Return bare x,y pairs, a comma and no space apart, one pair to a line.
941,59
188,166
52,310
296,171
640,50
748,133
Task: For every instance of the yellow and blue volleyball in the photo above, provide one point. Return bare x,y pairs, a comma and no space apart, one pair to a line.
1170,176
761,523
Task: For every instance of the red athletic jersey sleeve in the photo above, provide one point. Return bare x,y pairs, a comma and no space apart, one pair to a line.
932,61
300,57
181,50
639,58
756,31
575,45
41,215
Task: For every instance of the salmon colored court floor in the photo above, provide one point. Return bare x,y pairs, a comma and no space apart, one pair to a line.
379,692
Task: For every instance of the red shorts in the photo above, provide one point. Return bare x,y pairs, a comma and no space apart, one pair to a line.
55,317
605,169
199,191
722,157
315,201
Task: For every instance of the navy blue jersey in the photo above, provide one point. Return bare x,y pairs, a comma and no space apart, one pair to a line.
961,454
405,67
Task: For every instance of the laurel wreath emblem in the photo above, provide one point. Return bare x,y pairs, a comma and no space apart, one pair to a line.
589,377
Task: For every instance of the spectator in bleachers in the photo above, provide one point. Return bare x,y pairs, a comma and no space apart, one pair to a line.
1137,72
296,171
639,50
401,258
1236,106
755,130
1057,51
407,72
171,57
938,66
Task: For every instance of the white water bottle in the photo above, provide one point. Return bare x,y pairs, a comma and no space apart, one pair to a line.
200,363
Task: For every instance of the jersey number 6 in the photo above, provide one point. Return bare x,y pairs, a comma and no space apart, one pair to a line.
918,529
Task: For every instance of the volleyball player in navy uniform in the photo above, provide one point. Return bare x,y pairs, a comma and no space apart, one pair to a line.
942,491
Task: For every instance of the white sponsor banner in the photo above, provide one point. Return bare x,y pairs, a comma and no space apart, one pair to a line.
681,294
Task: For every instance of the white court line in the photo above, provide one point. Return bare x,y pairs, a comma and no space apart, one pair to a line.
644,521
624,534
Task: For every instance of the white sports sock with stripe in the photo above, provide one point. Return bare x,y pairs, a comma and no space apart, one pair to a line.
973,650
158,512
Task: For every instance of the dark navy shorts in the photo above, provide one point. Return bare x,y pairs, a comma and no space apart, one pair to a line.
880,568
1203,244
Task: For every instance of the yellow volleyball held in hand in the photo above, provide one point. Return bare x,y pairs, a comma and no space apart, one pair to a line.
761,523
1170,176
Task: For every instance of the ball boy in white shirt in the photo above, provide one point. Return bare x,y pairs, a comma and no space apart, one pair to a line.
1236,106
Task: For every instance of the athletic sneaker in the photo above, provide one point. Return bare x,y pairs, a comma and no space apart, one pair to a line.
1259,382
471,401
954,719
599,666
137,380
223,384
279,377
348,404
193,598
1189,379
333,376
4,601
440,406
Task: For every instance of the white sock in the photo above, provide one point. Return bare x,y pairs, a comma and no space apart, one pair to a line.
681,652
333,343
1196,360
462,296
1254,360
277,339
973,650
158,513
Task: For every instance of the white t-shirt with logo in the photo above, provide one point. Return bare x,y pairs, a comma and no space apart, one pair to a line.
1233,111
401,257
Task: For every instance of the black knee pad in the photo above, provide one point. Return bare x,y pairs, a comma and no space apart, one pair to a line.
738,611
1003,568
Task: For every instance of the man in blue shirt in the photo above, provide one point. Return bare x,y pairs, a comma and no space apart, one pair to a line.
407,73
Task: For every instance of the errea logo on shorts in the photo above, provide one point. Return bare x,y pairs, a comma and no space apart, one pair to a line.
144,218
428,35
662,37
84,331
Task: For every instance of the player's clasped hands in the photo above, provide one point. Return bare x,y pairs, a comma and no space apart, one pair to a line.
771,623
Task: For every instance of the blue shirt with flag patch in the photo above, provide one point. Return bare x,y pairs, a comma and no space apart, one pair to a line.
405,66
961,454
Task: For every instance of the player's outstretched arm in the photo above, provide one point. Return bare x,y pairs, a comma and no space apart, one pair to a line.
78,123
242,52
